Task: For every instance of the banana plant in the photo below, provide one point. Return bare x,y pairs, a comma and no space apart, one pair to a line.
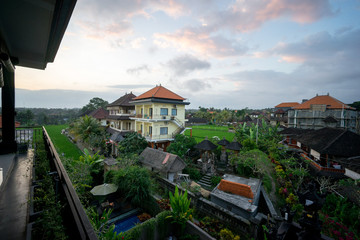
91,159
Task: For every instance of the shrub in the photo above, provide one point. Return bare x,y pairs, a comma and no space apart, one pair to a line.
215,180
226,234
194,173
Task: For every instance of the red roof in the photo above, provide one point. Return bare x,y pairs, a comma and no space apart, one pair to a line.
287,104
159,92
330,102
236,188
99,113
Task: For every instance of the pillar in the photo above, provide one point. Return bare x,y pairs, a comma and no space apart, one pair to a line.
8,144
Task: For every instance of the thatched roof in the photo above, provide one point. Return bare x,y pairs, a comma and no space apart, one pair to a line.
294,131
223,142
161,161
234,145
123,101
205,145
333,141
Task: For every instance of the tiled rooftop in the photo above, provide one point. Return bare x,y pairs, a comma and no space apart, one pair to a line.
159,92
330,102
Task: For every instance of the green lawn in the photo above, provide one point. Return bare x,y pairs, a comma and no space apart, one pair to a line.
200,132
62,143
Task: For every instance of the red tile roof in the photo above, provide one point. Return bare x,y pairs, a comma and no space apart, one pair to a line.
159,92
330,102
287,104
99,113
236,188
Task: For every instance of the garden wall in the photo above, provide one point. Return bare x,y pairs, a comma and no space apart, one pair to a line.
209,208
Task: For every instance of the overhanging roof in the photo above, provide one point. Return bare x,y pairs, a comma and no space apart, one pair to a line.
31,31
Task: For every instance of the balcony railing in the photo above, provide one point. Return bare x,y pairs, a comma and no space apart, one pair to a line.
27,136
76,219
156,117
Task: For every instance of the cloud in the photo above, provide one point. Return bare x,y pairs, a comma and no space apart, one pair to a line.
201,42
324,57
185,64
131,86
138,70
196,85
249,15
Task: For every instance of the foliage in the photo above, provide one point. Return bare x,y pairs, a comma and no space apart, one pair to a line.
94,161
226,234
180,205
135,182
94,103
181,145
160,222
263,135
252,163
355,105
49,225
193,172
342,211
211,226
133,143
215,180
164,204
91,159
87,126
128,160
336,230
80,175
100,225
25,117
63,145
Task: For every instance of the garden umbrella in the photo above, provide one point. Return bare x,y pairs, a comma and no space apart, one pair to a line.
103,189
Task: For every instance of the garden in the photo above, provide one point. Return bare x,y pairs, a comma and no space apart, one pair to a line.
283,175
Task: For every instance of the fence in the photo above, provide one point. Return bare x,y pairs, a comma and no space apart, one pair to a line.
26,137
74,215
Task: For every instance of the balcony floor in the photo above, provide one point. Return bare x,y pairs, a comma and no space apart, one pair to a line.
14,199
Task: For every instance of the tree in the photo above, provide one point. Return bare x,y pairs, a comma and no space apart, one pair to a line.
355,105
95,103
86,126
25,117
252,163
135,183
181,145
133,143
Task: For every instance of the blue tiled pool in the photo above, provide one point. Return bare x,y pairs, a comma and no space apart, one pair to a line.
126,224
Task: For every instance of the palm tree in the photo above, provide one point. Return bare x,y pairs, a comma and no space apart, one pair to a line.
86,126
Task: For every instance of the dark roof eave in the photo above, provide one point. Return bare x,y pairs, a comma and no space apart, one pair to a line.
158,100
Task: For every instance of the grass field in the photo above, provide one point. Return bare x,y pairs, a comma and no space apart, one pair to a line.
200,132
62,143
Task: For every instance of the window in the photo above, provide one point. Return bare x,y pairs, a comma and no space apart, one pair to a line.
173,112
163,131
163,111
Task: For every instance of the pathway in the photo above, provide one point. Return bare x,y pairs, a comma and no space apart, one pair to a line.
14,200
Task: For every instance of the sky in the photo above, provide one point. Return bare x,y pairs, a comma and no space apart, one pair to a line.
234,54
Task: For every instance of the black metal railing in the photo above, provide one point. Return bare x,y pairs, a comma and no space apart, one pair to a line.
26,136
75,218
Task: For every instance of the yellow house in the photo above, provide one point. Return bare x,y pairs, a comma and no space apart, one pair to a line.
160,115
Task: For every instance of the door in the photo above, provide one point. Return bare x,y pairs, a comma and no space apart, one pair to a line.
150,112
150,130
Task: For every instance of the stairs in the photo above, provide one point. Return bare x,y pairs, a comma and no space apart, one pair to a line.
205,181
